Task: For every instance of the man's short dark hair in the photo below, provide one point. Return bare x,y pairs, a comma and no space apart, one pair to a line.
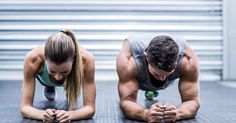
163,52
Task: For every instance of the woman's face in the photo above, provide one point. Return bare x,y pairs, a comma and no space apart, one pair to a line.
59,72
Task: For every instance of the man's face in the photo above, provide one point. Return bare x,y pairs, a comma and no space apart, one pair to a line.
157,73
58,73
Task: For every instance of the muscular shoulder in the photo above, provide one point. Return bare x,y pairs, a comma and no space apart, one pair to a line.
189,68
125,64
33,60
88,62
87,57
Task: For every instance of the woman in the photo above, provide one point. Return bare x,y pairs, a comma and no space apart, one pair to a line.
61,62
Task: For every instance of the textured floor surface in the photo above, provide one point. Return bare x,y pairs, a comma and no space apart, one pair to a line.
217,103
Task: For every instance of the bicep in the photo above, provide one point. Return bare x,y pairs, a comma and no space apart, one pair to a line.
189,90
89,93
28,86
128,90
89,87
28,89
189,81
127,71
127,85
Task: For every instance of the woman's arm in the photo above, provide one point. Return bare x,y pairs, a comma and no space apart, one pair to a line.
89,92
28,88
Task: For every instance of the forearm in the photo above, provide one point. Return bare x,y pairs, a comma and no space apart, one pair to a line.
133,110
31,112
187,110
85,112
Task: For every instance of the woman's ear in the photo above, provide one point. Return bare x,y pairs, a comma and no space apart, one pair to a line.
145,55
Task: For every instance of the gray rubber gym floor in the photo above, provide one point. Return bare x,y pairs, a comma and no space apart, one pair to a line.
217,103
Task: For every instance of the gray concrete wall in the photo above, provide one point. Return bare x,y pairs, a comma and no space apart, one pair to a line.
229,14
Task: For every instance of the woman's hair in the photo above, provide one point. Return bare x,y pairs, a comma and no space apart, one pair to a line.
163,52
59,48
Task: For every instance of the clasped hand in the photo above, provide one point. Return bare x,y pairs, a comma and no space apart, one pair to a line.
159,113
53,115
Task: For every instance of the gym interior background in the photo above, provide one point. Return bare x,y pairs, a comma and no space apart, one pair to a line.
102,25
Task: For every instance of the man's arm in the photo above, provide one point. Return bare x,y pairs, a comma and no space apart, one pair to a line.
189,86
128,85
128,95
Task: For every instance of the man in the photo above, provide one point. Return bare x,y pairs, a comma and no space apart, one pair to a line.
151,63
